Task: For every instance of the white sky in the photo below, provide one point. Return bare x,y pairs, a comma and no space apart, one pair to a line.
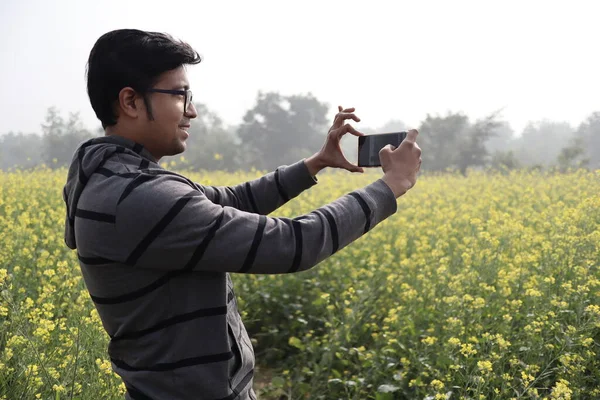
400,60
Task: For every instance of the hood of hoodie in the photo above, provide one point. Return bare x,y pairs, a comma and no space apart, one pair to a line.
88,157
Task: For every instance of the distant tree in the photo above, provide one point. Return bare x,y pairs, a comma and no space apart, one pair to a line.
502,141
541,142
441,138
281,129
20,150
61,138
211,145
473,152
504,160
453,142
588,135
573,156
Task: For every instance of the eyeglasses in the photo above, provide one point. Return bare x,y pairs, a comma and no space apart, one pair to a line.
186,93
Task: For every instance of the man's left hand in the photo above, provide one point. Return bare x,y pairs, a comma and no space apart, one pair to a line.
331,154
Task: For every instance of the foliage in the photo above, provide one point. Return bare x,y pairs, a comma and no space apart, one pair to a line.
452,142
486,287
541,142
280,128
61,138
19,150
211,145
587,136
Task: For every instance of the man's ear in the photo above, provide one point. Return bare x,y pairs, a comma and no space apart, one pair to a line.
129,102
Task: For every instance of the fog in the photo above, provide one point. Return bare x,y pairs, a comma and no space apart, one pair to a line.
532,63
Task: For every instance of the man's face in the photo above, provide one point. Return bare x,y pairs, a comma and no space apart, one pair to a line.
166,134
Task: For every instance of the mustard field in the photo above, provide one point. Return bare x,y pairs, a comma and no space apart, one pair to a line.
484,287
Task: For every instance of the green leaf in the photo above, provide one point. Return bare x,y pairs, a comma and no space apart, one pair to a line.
278,382
295,342
384,396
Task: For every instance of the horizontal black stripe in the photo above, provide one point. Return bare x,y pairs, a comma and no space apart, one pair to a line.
156,171
260,230
105,171
365,208
108,173
94,260
333,229
178,319
186,362
282,193
195,259
159,227
238,389
253,206
119,148
83,179
139,292
95,216
136,182
298,251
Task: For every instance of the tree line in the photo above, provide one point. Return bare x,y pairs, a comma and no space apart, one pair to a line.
281,129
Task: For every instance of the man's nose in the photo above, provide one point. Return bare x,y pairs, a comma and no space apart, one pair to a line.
191,112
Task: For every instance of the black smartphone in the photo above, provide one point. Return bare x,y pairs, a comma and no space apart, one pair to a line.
370,145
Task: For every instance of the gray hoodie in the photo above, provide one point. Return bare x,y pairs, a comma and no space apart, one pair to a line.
156,250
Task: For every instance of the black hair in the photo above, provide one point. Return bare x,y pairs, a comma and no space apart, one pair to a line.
131,58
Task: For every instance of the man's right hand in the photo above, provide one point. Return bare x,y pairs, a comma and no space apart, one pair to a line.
400,165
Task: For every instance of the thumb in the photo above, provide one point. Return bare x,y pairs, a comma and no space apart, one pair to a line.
354,168
387,149
412,135
348,166
385,154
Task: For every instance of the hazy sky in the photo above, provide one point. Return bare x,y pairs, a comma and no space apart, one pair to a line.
401,59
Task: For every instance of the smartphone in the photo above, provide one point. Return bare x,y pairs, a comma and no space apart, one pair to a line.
370,145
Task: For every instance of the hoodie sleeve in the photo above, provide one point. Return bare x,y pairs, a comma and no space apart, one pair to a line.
265,194
168,225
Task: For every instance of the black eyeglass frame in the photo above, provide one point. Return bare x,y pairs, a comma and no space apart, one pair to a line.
187,94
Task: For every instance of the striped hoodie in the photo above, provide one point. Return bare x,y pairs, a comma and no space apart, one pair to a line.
156,250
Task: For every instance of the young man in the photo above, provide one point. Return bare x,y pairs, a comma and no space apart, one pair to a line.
156,249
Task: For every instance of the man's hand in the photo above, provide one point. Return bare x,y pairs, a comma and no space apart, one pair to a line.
331,154
401,165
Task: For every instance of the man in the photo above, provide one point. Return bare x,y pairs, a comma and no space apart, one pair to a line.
156,249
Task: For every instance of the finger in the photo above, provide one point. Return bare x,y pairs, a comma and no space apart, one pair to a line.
412,135
356,168
348,110
347,128
344,116
386,149
340,117
351,167
339,108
